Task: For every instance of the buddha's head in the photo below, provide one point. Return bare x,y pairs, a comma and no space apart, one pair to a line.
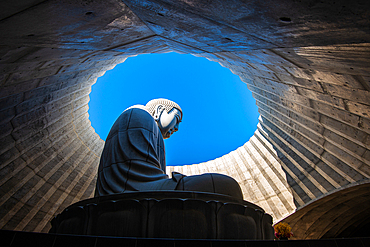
167,114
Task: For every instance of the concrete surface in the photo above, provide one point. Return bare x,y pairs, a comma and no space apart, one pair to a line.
306,63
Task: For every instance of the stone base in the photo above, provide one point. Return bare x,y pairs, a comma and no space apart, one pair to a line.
165,214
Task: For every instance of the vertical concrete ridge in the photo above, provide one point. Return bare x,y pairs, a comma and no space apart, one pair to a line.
61,183
262,106
40,160
316,149
265,184
245,176
71,185
274,178
45,174
254,182
303,163
288,170
279,174
321,134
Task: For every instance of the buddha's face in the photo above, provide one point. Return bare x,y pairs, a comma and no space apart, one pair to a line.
168,122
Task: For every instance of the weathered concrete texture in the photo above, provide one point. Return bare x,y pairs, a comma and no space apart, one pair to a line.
306,63
338,214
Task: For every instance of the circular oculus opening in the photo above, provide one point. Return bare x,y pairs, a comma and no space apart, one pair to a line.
220,113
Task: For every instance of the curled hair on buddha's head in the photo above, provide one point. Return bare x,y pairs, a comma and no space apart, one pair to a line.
166,103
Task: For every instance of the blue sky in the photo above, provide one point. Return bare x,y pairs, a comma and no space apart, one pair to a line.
220,113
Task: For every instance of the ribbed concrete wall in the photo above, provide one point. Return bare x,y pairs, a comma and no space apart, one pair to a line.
310,78
313,135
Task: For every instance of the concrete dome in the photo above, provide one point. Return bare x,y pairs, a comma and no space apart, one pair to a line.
306,63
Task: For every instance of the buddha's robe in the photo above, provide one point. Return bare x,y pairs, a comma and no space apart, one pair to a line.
133,159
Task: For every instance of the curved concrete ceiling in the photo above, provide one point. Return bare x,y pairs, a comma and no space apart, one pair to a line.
307,69
340,213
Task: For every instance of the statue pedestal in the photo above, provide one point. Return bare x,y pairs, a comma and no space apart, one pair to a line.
165,214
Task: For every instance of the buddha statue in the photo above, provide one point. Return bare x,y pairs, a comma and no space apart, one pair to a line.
133,158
